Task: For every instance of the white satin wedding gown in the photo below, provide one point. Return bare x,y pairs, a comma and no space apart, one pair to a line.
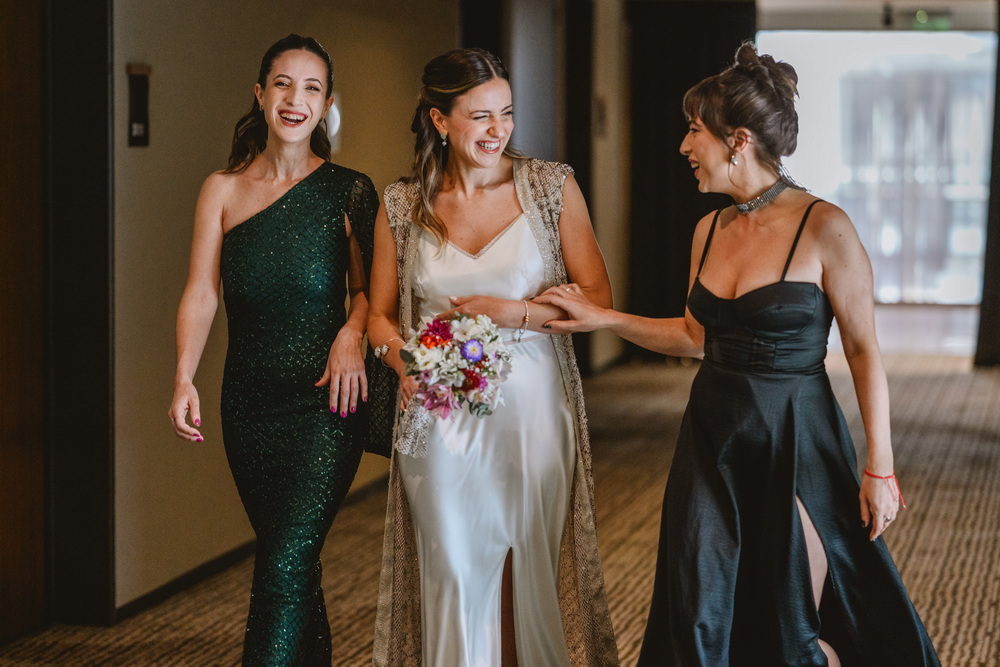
493,485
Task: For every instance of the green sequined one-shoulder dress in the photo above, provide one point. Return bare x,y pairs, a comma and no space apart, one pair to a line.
293,460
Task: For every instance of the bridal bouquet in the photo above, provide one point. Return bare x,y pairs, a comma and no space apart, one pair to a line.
456,361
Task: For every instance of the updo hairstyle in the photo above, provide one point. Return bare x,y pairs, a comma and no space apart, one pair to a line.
756,92
445,78
250,135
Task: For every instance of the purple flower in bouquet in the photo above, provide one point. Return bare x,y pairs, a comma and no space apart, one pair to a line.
472,350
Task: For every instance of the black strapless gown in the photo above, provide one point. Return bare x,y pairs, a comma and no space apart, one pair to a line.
283,272
762,427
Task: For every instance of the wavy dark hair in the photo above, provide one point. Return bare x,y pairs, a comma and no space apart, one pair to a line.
250,135
756,92
445,78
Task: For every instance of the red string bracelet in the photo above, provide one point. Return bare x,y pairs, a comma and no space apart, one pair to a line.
892,476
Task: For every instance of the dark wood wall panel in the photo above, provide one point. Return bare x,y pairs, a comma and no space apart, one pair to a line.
80,392
22,424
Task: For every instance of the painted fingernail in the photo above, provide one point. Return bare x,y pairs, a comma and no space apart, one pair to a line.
197,422
200,440
353,409
344,413
364,399
333,409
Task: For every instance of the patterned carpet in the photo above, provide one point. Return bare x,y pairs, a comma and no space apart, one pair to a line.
946,420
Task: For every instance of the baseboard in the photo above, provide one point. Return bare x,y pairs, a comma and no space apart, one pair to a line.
186,580
220,563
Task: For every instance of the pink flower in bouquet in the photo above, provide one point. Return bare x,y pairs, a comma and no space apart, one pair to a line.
439,399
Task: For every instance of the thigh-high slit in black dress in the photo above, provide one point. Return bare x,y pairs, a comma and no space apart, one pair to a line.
763,428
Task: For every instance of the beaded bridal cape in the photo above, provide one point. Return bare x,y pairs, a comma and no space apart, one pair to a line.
583,605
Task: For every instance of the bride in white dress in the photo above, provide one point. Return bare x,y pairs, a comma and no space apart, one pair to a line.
490,554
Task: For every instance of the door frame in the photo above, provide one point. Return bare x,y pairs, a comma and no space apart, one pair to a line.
79,183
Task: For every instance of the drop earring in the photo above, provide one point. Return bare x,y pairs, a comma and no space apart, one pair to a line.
734,158
444,139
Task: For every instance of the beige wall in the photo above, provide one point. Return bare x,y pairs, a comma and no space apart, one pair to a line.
535,78
176,506
610,174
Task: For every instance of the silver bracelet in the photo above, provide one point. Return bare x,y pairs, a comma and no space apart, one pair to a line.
383,349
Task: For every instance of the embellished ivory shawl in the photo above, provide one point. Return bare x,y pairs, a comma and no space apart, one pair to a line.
585,618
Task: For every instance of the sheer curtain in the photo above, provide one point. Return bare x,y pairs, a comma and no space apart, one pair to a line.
896,129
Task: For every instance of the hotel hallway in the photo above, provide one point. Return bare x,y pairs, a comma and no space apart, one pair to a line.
946,422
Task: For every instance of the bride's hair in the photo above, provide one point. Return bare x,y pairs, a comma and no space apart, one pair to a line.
445,78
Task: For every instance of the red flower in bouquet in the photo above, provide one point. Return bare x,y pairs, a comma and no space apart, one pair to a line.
437,333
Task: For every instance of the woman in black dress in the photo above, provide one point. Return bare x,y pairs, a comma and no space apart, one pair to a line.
281,227
765,557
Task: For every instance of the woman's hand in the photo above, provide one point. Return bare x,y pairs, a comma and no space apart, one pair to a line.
879,503
407,388
582,314
184,403
503,312
345,373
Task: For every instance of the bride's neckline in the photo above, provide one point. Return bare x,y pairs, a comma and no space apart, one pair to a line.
489,244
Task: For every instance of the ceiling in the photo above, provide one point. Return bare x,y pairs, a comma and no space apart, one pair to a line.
872,14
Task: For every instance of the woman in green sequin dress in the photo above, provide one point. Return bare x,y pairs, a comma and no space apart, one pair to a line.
280,228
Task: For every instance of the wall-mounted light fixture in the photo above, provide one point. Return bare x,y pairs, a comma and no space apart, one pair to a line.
138,103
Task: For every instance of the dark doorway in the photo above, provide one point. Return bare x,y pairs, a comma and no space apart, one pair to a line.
22,324
674,45
80,399
56,483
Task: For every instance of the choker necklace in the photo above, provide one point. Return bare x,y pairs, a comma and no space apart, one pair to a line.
764,198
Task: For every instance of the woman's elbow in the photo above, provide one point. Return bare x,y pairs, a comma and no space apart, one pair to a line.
600,296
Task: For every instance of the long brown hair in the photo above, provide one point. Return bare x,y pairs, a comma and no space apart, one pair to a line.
756,92
445,78
250,135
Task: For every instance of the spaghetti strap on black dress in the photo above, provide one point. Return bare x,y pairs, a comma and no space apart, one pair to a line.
763,427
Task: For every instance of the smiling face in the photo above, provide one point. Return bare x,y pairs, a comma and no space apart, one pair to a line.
708,156
295,98
479,124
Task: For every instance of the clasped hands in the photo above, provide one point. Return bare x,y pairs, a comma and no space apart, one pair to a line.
582,314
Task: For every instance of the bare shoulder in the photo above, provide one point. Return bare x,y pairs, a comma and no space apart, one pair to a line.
702,227
219,186
213,200
830,223
571,189
835,236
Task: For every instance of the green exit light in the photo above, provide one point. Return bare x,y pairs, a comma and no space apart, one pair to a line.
930,20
